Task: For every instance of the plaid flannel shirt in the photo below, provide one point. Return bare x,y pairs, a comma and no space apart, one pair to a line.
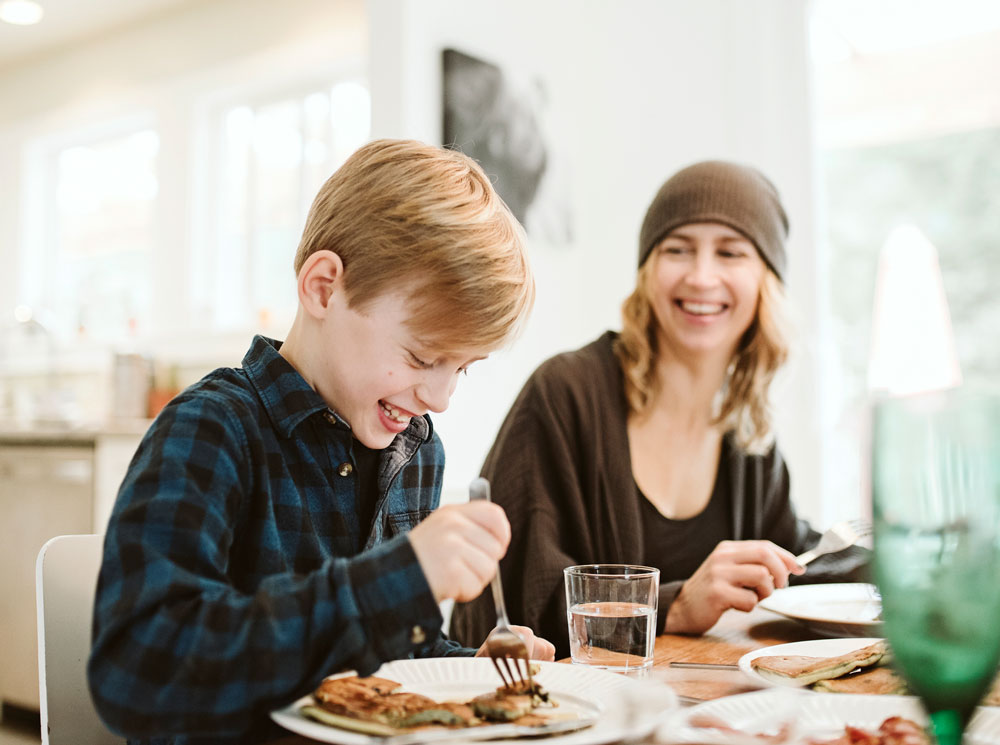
236,574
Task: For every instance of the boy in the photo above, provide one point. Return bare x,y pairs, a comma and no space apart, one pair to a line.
262,536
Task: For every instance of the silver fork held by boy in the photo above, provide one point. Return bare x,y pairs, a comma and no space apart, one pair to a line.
503,643
837,538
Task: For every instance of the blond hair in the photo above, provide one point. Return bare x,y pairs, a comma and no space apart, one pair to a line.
403,215
743,406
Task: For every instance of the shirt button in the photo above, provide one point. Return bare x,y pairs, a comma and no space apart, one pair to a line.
417,635
345,469
328,415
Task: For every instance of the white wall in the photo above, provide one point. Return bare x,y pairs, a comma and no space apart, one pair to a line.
636,89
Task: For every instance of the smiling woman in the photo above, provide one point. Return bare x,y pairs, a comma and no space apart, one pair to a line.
703,284
734,212
654,446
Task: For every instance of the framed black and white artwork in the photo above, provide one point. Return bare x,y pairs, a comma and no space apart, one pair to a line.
500,123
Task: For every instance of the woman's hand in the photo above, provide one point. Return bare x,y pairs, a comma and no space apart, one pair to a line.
736,574
538,648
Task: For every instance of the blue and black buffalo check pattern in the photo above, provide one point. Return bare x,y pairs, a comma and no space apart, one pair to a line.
236,573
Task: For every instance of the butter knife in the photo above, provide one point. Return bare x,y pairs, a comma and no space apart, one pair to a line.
488,732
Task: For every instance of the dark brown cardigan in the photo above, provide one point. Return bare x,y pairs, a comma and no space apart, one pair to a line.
560,467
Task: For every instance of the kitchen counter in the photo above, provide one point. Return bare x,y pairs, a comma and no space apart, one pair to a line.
57,433
54,480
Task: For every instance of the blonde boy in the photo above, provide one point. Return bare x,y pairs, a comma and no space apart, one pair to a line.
271,528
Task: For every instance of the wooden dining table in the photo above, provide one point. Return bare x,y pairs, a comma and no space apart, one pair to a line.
735,634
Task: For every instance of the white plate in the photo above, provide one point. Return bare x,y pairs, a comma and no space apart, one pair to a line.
817,715
812,648
625,707
844,609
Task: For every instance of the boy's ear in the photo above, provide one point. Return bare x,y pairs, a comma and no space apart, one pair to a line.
321,275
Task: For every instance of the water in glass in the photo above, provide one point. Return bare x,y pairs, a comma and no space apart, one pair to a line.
612,635
611,613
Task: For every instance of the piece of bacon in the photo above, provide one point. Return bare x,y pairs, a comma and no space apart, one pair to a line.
893,731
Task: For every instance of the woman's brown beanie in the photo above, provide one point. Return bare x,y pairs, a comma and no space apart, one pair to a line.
727,193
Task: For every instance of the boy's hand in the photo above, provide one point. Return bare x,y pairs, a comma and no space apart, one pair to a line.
458,547
538,648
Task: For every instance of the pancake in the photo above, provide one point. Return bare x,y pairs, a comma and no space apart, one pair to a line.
882,679
378,706
499,707
871,680
447,713
805,670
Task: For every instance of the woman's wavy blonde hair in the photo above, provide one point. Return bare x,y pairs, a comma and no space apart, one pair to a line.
742,404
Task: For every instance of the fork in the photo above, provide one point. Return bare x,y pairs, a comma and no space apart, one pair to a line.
503,643
838,537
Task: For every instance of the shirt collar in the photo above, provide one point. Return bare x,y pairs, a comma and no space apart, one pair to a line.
289,400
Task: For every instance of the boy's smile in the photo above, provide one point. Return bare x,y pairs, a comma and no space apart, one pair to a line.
380,375
371,368
395,418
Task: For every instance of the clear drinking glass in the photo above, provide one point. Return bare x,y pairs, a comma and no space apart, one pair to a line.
611,611
936,503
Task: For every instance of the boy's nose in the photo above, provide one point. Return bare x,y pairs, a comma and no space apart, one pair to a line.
435,391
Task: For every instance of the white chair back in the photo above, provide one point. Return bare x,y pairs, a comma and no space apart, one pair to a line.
65,581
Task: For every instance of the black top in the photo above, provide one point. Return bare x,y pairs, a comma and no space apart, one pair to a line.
678,547
560,468
366,463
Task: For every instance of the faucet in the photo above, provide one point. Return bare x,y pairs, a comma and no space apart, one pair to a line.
42,406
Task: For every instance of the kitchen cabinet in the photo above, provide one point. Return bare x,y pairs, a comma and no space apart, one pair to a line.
50,484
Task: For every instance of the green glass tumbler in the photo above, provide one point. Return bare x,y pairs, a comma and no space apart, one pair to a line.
936,505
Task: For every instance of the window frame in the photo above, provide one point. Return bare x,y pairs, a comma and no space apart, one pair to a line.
211,112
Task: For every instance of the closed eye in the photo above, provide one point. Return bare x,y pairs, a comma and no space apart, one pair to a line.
419,363
674,250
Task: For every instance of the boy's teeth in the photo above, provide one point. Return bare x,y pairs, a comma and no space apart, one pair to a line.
392,412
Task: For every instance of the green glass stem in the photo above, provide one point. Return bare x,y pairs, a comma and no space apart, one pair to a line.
947,726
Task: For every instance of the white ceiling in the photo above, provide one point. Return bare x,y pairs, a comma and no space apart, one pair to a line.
846,28
69,21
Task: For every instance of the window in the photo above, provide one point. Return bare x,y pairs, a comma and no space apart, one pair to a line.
272,157
115,250
909,155
91,272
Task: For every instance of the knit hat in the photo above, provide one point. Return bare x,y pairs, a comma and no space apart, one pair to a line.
718,191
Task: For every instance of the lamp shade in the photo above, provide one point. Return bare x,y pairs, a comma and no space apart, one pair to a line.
912,344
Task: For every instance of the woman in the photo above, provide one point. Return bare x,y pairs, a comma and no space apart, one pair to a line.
654,446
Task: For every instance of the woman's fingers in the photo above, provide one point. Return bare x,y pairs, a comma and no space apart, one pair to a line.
737,574
755,578
778,562
739,597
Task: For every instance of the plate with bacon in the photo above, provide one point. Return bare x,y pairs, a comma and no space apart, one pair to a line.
777,716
